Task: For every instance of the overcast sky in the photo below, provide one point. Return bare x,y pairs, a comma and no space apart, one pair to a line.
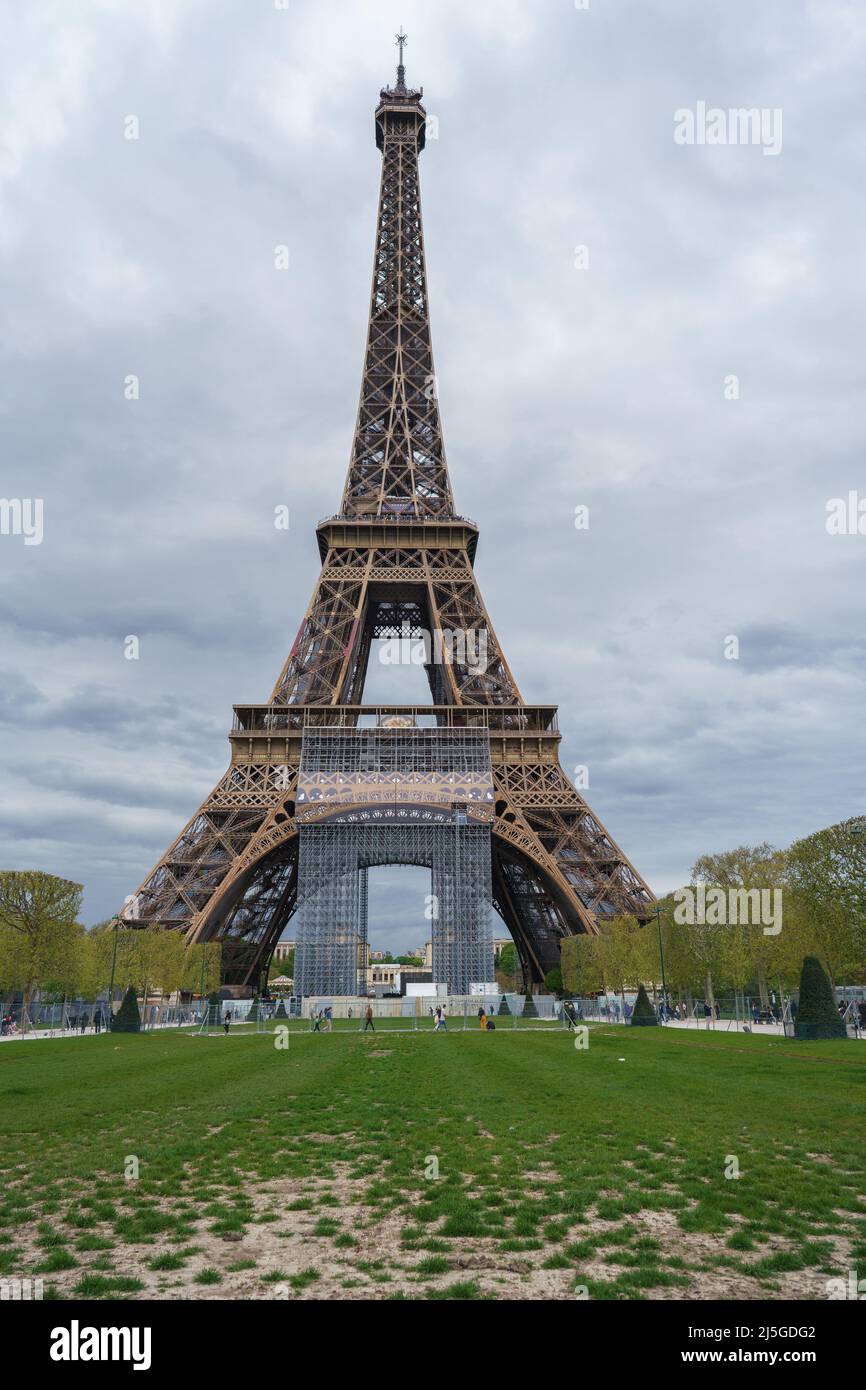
561,386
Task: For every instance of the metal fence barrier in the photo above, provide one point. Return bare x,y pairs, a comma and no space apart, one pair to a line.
775,1014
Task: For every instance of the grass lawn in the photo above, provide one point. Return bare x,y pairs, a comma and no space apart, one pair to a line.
312,1171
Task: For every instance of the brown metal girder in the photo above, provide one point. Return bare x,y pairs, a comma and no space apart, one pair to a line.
521,938
273,833
520,838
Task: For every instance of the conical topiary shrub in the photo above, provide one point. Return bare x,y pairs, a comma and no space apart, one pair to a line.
643,1014
213,1011
529,1009
255,1013
817,1015
127,1019
280,1010
503,1006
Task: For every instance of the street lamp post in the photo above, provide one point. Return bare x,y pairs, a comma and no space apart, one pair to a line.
661,955
113,965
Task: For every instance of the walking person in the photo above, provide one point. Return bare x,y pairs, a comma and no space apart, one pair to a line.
317,1022
227,1022
368,1019
482,1020
97,1021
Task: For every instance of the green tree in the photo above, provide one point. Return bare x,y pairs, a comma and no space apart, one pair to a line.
682,968
553,981
170,962
207,954
151,959
581,965
616,945
74,968
38,928
286,966
736,952
89,973
509,961
826,875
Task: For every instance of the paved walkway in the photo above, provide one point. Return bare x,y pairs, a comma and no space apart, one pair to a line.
724,1025
39,1033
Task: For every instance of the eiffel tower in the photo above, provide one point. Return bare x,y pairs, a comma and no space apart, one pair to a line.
320,787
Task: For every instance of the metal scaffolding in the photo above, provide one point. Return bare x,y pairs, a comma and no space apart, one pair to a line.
399,795
395,765
331,937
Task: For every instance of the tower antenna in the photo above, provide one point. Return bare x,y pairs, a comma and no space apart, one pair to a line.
401,40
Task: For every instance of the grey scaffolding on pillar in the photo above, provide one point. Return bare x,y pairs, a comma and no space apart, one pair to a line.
401,795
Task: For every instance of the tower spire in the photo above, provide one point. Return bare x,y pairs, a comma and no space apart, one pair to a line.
401,40
398,465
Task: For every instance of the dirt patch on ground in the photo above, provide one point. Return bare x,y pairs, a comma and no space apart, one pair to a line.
346,1248
699,1252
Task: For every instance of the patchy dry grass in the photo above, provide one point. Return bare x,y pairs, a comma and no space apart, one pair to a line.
306,1173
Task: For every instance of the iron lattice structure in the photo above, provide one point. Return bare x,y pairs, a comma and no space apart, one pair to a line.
397,559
